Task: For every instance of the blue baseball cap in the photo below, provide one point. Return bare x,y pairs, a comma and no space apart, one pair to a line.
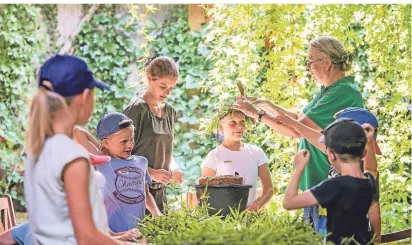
68,76
361,116
112,122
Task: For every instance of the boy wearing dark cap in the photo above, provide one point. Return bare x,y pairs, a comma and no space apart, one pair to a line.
347,197
363,117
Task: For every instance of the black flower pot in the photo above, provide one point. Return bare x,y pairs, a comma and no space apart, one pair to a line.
223,197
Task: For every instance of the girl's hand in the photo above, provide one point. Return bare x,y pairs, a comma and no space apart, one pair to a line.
244,105
131,235
253,207
177,176
161,176
301,159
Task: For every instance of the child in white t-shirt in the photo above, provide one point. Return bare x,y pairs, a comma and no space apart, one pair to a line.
233,156
63,201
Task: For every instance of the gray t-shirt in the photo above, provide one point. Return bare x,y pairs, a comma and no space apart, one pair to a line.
153,135
45,195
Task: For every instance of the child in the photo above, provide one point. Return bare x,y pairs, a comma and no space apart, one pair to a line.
21,234
154,121
63,202
361,116
347,197
126,194
234,156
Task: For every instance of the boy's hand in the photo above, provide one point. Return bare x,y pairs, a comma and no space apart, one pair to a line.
157,214
369,131
177,176
301,159
131,235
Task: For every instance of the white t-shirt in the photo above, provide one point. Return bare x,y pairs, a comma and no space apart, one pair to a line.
246,162
45,196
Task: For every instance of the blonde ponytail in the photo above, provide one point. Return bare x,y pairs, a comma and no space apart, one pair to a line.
43,106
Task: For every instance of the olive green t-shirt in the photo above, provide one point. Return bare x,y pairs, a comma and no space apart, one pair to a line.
321,110
153,135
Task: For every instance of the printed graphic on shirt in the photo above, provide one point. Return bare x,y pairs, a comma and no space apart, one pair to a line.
129,185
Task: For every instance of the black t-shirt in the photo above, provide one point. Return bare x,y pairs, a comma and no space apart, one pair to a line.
333,173
347,200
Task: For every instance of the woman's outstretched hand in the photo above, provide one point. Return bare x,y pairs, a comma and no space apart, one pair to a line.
244,105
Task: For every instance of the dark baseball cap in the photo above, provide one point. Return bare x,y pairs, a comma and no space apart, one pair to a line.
68,76
112,122
361,116
345,136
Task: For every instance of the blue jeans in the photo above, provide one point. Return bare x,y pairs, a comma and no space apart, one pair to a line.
318,221
22,234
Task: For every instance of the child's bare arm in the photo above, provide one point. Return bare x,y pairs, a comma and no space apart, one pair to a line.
267,188
374,216
292,199
370,162
208,172
76,183
6,238
129,235
371,166
84,138
151,204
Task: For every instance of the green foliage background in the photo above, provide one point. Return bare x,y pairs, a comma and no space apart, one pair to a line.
263,46
379,36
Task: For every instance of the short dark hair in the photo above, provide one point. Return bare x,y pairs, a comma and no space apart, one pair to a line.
345,136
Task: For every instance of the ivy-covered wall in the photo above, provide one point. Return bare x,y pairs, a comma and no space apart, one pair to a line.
19,43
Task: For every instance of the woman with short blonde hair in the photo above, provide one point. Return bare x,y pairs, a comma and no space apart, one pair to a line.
328,62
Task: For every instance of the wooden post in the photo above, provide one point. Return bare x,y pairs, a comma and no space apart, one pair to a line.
197,16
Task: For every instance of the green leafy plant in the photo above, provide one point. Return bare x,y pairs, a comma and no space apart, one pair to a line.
195,226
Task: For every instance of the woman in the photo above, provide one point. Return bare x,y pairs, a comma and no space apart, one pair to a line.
154,121
328,62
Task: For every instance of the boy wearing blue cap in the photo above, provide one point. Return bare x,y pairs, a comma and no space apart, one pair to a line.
348,197
126,193
361,116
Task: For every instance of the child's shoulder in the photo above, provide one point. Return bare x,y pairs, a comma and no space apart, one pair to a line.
61,141
138,159
137,103
252,148
215,150
170,106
